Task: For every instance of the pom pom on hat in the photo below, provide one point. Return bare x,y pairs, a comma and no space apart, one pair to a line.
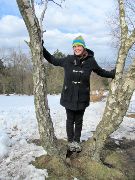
79,41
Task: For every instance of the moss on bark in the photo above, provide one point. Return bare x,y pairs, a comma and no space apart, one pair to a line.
117,163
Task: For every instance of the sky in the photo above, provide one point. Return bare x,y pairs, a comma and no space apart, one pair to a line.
62,25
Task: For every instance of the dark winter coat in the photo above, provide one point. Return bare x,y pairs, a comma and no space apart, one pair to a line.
76,88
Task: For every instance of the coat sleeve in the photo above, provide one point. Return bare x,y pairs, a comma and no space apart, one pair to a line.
102,72
51,59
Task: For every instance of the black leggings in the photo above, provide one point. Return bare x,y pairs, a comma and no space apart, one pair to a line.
74,124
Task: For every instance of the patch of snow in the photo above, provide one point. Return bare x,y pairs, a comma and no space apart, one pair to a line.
18,126
4,144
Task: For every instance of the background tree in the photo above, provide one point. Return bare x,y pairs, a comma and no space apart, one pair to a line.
54,83
16,76
1,65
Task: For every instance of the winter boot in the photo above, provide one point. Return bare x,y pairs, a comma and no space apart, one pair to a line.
71,146
77,146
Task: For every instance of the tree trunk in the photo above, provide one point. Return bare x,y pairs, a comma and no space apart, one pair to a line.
121,91
45,125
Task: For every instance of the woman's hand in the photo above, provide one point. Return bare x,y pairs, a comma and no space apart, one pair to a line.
42,42
113,72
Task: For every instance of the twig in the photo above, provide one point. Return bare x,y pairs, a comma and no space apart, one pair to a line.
28,43
42,16
55,3
45,3
131,22
131,6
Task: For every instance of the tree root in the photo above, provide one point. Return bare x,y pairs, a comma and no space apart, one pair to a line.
117,162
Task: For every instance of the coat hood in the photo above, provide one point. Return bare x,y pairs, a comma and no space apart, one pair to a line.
90,52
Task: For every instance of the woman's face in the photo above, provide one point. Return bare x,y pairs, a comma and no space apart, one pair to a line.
78,50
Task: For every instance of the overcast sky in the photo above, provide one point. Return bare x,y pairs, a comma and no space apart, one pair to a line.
80,17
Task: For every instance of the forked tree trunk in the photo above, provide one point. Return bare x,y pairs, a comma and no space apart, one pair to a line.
45,125
118,100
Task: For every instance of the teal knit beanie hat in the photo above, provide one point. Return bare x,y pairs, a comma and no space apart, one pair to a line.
79,41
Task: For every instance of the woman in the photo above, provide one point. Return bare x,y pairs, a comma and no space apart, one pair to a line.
75,94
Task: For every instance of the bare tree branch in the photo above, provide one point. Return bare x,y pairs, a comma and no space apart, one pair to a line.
45,3
33,7
131,39
55,3
131,22
130,5
123,24
28,43
126,41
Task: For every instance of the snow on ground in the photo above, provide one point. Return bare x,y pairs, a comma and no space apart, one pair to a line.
18,126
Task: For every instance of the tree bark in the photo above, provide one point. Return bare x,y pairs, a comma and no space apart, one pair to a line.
45,125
